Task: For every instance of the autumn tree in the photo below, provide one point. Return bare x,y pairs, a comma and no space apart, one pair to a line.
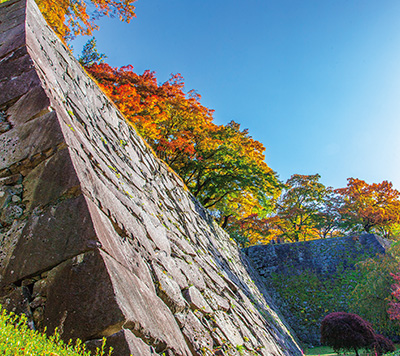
372,208
222,165
231,174
69,18
298,207
249,230
327,220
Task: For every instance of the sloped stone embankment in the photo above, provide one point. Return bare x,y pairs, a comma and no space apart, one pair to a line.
98,236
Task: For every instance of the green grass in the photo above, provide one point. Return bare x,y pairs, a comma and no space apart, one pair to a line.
322,350
327,351
17,339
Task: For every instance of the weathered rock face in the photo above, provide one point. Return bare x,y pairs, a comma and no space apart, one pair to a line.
98,236
310,279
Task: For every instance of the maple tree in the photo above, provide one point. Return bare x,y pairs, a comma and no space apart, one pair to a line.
222,165
346,331
370,207
249,230
70,18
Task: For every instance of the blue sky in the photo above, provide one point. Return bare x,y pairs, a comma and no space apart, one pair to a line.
316,81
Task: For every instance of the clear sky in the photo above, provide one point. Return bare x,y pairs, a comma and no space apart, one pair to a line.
316,81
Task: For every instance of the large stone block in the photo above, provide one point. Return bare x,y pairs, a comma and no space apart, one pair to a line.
123,343
17,86
50,237
51,181
25,141
33,104
81,301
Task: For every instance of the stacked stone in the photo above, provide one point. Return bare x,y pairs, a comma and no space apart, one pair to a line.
325,259
99,237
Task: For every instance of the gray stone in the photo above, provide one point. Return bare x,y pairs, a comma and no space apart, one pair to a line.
227,327
16,300
33,104
168,290
12,90
216,301
196,300
192,273
200,340
25,141
58,233
52,180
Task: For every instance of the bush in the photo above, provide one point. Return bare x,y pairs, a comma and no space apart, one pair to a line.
346,332
17,339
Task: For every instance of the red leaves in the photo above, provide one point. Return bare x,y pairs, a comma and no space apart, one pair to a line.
345,331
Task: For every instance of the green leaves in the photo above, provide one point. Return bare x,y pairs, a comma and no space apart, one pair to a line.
90,54
302,209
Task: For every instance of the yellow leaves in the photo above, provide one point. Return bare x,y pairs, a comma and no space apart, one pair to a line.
70,18
373,207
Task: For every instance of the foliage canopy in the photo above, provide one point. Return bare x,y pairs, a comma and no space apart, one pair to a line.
370,207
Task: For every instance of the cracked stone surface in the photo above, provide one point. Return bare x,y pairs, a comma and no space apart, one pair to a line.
99,238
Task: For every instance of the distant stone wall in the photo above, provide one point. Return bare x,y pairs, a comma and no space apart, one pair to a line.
310,279
99,238
321,256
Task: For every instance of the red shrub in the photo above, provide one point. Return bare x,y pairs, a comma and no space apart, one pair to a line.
345,331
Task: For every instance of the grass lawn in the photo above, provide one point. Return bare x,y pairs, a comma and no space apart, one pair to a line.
322,350
327,351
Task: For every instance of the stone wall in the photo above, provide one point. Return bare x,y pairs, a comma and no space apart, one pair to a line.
321,256
99,238
308,280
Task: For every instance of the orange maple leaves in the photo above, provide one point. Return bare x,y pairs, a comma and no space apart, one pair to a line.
372,207
70,18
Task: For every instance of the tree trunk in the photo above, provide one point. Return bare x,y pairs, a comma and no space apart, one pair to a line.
225,222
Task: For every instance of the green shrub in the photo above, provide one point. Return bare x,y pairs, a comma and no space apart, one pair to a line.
17,339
